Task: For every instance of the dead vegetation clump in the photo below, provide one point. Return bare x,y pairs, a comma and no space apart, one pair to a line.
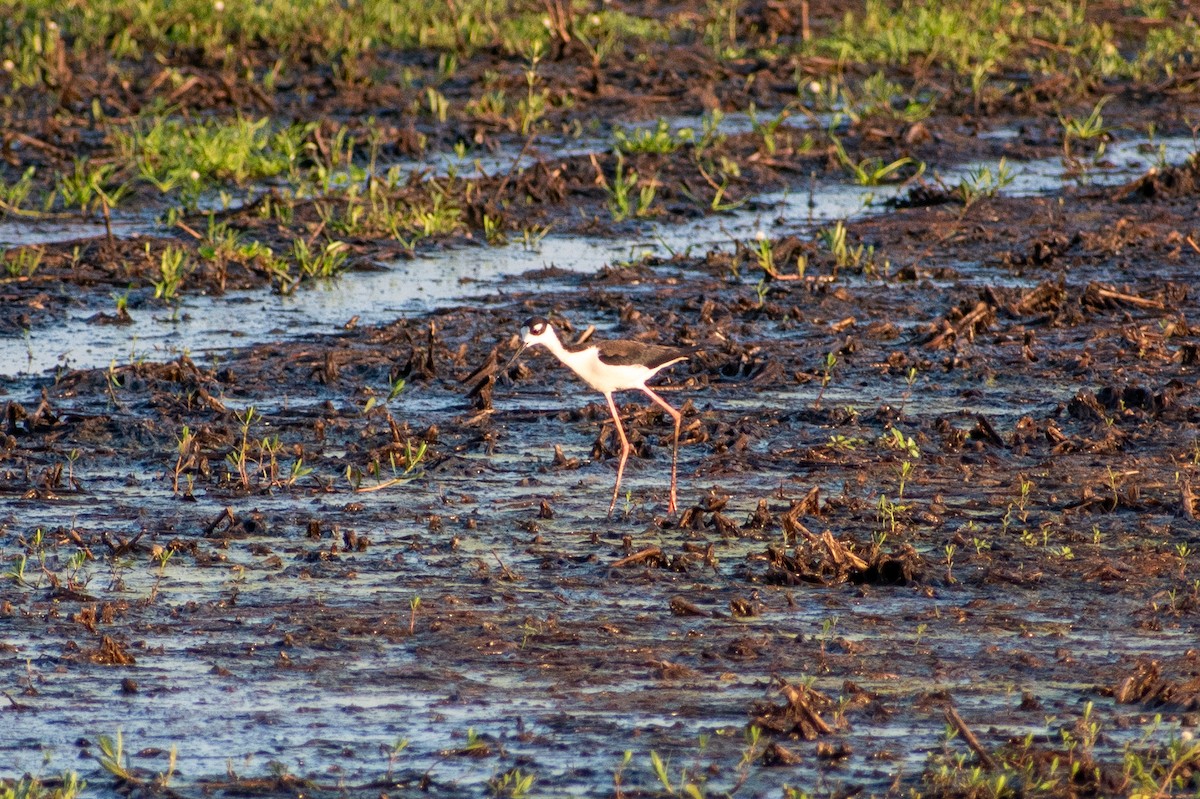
824,560
1147,685
800,715
1165,183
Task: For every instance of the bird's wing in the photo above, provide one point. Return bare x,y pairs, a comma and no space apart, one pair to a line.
629,353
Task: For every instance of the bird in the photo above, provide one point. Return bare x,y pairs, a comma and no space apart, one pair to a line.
610,366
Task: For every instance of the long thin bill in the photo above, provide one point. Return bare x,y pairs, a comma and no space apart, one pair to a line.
514,359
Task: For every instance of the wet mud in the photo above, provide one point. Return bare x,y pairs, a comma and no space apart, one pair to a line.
939,485
965,485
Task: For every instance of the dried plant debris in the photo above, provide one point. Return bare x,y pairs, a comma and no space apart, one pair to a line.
800,715
1147,685
825,560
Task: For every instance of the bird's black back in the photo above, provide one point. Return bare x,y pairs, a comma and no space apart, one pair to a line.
629,353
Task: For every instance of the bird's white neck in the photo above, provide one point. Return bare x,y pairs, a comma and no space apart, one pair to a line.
585,362
555,346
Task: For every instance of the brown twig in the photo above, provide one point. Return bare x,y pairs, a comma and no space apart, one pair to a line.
985,758
505,572
512,170
638,557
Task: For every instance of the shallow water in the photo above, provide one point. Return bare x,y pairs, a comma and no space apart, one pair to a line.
311,669
406,287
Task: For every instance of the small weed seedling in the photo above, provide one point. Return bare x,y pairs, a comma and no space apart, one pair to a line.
113,758
622,203
323,263
393,754
910,379
68,786
511,784
764,251
767,130
1086,130
836,241
982,182
172,269
720,31
239,458
619,774
906,469
889,513
13,196
413,604
872,171
895,439
659,140
826,377
22,262
686,786
844,443
826,635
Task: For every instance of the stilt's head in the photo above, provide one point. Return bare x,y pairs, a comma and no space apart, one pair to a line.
536,330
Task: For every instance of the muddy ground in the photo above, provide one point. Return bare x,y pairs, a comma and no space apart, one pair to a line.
1037,558
937,533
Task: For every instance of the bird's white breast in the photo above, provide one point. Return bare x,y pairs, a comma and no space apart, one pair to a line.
603,377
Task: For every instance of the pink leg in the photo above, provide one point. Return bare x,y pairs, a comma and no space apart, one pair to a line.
612,407
678,417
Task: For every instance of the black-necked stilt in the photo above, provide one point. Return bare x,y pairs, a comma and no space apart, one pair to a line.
609,366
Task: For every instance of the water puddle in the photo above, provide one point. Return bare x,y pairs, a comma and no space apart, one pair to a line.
24,232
